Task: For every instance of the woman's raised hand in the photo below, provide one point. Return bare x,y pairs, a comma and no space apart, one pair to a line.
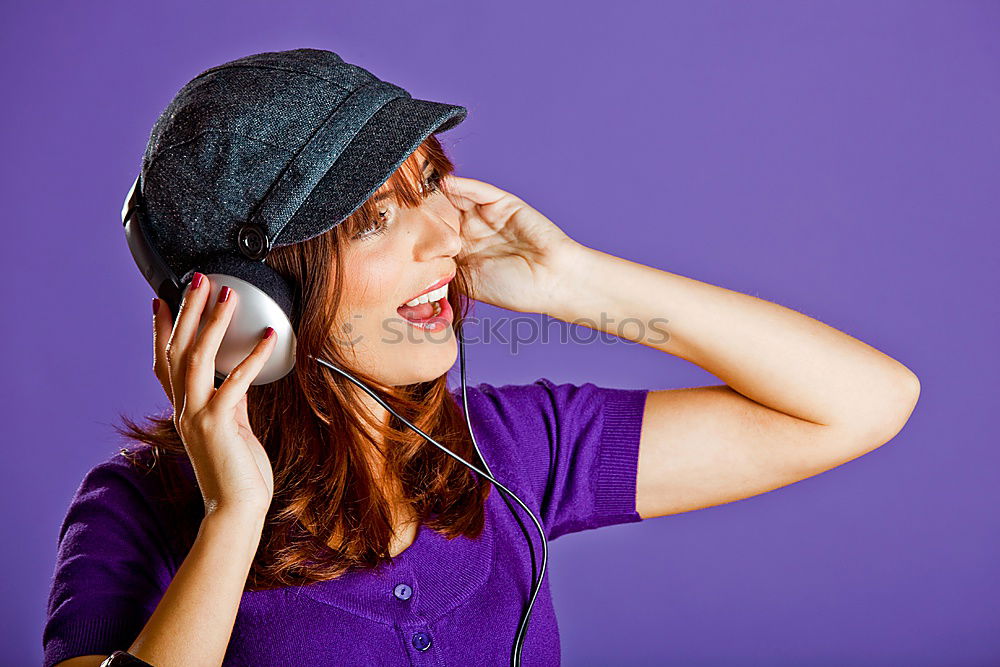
514,253
231,466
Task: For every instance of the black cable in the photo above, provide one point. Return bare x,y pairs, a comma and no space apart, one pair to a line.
536,582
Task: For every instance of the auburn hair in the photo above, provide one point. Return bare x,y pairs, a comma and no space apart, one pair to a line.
329,512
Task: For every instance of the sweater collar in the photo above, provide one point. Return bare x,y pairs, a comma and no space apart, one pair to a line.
442,574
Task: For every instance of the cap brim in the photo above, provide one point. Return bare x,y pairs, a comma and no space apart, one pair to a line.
372,156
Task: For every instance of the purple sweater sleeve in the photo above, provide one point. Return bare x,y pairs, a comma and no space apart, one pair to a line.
111,567
573,448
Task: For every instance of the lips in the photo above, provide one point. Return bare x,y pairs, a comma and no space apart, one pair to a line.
429,316
440,283
432,314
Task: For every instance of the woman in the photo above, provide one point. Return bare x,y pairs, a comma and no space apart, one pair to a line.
300,522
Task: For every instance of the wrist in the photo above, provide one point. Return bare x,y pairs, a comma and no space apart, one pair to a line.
570,265
233,524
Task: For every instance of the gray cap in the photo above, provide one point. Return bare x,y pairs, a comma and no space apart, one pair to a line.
273,149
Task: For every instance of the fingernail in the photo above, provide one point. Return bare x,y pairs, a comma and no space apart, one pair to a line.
156,305
196,280
224,294
268,333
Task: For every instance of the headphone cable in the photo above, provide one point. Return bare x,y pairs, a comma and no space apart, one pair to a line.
536,582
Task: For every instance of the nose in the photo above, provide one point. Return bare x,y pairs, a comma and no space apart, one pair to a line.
439,232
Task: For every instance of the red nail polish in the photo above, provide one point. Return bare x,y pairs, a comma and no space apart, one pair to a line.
156,306
224,294
268,333
196,281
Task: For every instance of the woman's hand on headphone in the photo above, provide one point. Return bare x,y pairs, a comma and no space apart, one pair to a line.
513,252
230,464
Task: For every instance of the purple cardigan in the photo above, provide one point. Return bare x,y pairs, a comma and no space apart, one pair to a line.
569,451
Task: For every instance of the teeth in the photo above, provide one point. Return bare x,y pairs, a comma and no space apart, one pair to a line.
433,295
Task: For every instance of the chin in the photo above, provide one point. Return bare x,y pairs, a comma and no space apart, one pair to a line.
428,361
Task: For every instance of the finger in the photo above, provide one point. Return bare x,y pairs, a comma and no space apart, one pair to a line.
200,380
162,324
469,192
237,383
242,411
184,332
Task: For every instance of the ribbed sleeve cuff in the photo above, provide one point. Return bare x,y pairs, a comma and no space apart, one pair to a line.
89,636
619,457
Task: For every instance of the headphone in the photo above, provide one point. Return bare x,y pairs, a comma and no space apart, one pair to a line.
266,298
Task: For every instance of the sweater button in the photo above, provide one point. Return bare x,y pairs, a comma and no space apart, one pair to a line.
402,591
421,641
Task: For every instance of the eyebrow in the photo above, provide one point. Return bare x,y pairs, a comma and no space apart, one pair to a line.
389,193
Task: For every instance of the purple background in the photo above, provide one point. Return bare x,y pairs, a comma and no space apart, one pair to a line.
840,159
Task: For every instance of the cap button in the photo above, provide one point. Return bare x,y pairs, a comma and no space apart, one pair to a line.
252,241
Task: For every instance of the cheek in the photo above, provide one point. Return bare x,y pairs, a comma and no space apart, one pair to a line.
372,282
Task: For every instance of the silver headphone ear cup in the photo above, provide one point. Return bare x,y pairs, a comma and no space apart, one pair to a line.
255,311
264,299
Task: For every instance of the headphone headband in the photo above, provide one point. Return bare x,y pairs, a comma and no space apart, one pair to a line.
157,273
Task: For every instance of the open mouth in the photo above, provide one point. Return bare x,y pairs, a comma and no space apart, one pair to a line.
430,310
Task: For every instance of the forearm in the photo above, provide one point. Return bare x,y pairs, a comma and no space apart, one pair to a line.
193,622
771,354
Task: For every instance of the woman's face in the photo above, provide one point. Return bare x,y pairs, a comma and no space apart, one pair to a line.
390,263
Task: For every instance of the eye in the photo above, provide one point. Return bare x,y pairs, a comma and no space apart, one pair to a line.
377,227
431,183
